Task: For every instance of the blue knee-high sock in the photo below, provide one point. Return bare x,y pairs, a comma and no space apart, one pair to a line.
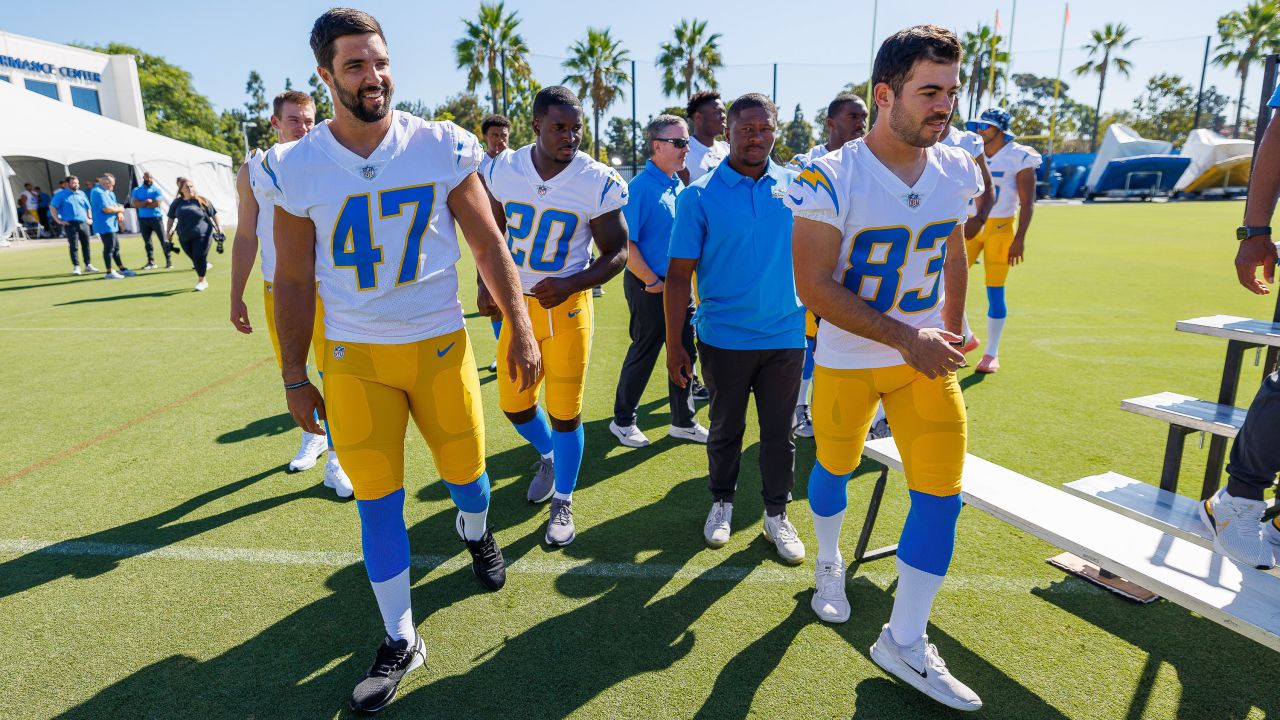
995,303
497,328
924,554
472,500
385,544
828,499
568,451
810,345
537,432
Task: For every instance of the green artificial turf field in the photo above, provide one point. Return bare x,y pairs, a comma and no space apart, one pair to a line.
157,561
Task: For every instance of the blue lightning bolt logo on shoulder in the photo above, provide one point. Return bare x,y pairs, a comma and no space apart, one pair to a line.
368,199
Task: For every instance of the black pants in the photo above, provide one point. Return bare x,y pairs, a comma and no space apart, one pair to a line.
110,250
1255,454
648,329
732,376
147,226
197,248
78,231
43,214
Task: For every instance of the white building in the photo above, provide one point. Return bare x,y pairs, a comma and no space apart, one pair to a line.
93,81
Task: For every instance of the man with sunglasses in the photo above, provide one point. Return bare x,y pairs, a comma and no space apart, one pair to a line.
1013,173
650,213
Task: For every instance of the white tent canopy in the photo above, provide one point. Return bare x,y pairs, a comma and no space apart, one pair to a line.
1207,148
1121,142
36,126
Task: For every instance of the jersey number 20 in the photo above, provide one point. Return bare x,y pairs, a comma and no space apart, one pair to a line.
876,258
537,256
353,245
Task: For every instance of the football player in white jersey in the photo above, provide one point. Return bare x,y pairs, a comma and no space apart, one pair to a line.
879,255
495,130
293,113
846,122
979,207
367,204
1013,173
554,201
706,123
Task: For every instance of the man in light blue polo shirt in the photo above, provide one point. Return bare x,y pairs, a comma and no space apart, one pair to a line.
70,208
146,198
106,224
732,228
650,212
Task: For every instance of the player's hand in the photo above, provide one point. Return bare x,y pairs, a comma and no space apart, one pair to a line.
304,404
656,289
552,291
972,227
1016,250
931,352
524,360
679,365
1256,252
240,316
485,303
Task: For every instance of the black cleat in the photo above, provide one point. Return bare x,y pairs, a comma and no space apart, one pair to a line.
486,558
699,391
396,658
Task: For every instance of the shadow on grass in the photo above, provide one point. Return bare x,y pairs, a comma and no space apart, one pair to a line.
262,427
972,379
97,553
130,296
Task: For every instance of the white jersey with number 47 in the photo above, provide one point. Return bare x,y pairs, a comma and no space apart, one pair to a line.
385,244
548,221
893,238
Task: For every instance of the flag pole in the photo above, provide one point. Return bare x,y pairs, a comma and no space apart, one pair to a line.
1008,61
1057,81
875,11
991,75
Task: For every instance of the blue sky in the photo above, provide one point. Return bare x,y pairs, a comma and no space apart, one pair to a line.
818,48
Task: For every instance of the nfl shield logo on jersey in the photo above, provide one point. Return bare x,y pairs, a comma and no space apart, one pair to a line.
339,351
913,200
368,171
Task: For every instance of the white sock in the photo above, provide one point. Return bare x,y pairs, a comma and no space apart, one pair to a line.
965,330
567,497
912,603
803,398
395,606
828,531
995,326
879,415
474,524
333,456
549,456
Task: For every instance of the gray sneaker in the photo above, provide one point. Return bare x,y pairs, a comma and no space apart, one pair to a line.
919,666
560,530
543,484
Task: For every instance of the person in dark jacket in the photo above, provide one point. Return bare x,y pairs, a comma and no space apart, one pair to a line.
197,221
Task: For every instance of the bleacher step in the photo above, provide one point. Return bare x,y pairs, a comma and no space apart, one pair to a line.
1231,327
1189,412
1240,598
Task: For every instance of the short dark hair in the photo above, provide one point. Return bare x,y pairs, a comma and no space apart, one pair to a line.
297,97
698,99
335,23
834,106
493,121
899,53
752,100
554,95
660,123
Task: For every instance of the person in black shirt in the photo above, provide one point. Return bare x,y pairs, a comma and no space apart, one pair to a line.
197,221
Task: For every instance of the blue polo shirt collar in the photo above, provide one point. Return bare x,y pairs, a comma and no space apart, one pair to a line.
732,177
651,168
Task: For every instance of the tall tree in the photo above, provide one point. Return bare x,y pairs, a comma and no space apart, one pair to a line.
261,135
491,47
1244,38
595,72
982,49
320,96
690,61
798,135
1108,41
618,140
464,109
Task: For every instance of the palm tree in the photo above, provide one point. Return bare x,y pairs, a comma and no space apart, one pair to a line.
1110,39
595,71
492,50
689,63
1245,37
981,48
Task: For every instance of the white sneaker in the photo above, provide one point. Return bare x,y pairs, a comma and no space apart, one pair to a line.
493,366
149,266
202,286
208,266
313,446
802,423
1272,530
716,529
779,531
694,433
75,270
829,599
1236,524
112,275
628,435
919,666
336,478
90,268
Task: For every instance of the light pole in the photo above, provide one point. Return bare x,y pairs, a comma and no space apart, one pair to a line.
244,133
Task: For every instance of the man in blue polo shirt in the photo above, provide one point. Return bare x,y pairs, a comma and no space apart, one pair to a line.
106,224
650,213
146,199
733,230
70,208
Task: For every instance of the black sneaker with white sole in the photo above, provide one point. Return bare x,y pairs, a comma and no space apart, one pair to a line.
487,563
395,659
